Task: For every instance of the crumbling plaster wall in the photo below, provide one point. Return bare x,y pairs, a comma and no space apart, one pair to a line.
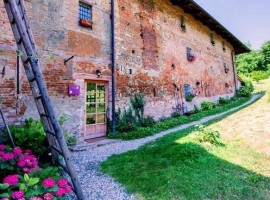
150,41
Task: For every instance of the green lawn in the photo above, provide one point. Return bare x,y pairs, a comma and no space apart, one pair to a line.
178,166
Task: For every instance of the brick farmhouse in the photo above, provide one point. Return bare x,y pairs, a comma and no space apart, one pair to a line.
166,50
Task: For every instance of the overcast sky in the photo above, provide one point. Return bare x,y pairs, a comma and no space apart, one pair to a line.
248,20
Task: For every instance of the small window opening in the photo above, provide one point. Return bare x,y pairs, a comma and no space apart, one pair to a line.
130,71
223,46
190,55
212,40
183,24
187,90
133,51
226,69
85,15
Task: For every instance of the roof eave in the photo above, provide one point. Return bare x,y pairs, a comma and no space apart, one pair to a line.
191,7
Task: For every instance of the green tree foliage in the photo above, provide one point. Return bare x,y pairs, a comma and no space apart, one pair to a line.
256,60
266,54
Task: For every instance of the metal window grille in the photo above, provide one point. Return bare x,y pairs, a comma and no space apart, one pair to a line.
187,89
85,12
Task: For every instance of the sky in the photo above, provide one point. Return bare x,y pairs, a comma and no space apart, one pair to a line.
248,20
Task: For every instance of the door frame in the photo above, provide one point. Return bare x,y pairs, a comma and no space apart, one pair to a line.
86,137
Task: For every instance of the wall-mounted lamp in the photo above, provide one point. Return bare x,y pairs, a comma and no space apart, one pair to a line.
98,73
68,59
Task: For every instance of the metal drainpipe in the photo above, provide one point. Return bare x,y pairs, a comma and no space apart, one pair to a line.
113,66
234,71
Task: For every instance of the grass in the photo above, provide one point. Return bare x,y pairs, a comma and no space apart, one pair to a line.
166,124
178,166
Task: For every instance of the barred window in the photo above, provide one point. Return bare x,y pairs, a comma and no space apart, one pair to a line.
85,15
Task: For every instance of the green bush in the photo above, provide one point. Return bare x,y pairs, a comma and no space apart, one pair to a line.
138,103
126,121
167,123
244,91
223,101
31,135
259,75
207,105
148,121
175,115
208,135
70,139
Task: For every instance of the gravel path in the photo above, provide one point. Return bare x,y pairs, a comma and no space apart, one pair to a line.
97,186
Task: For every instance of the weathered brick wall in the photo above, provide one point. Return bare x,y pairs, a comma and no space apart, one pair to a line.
58,36
150,41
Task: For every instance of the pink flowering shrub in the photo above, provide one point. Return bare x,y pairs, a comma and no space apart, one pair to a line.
16,160
23,179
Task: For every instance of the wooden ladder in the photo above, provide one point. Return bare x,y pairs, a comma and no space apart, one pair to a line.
26,45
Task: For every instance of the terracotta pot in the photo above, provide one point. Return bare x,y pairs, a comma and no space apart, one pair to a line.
86,23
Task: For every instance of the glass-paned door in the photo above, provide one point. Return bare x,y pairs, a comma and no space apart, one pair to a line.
96,105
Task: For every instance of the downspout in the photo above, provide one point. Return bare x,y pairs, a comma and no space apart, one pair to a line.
113,65
234,72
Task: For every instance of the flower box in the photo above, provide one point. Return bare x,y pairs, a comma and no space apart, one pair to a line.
86,23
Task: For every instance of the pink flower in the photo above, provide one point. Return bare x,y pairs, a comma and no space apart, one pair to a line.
36,198
21,163
17,194
68,189
2,153
48,196
48,183
28,151
62,183
60,192
2,147
5,198
7,156
11,179
26,170
17,151
28,163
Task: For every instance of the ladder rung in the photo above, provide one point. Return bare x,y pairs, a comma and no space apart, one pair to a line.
38,97
43,115
20,40
32,79
64,167
50,132
58,150
27,60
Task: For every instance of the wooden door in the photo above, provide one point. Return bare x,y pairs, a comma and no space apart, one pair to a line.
95,111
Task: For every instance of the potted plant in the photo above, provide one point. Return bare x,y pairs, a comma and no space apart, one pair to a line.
189,97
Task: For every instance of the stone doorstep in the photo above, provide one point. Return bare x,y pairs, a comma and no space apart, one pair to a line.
93,143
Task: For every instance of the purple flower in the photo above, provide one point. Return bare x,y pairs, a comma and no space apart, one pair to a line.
62,183
11,179
17,151
17,194
48,183
2,147
7,156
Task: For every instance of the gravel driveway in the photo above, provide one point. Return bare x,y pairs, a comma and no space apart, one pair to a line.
97,186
